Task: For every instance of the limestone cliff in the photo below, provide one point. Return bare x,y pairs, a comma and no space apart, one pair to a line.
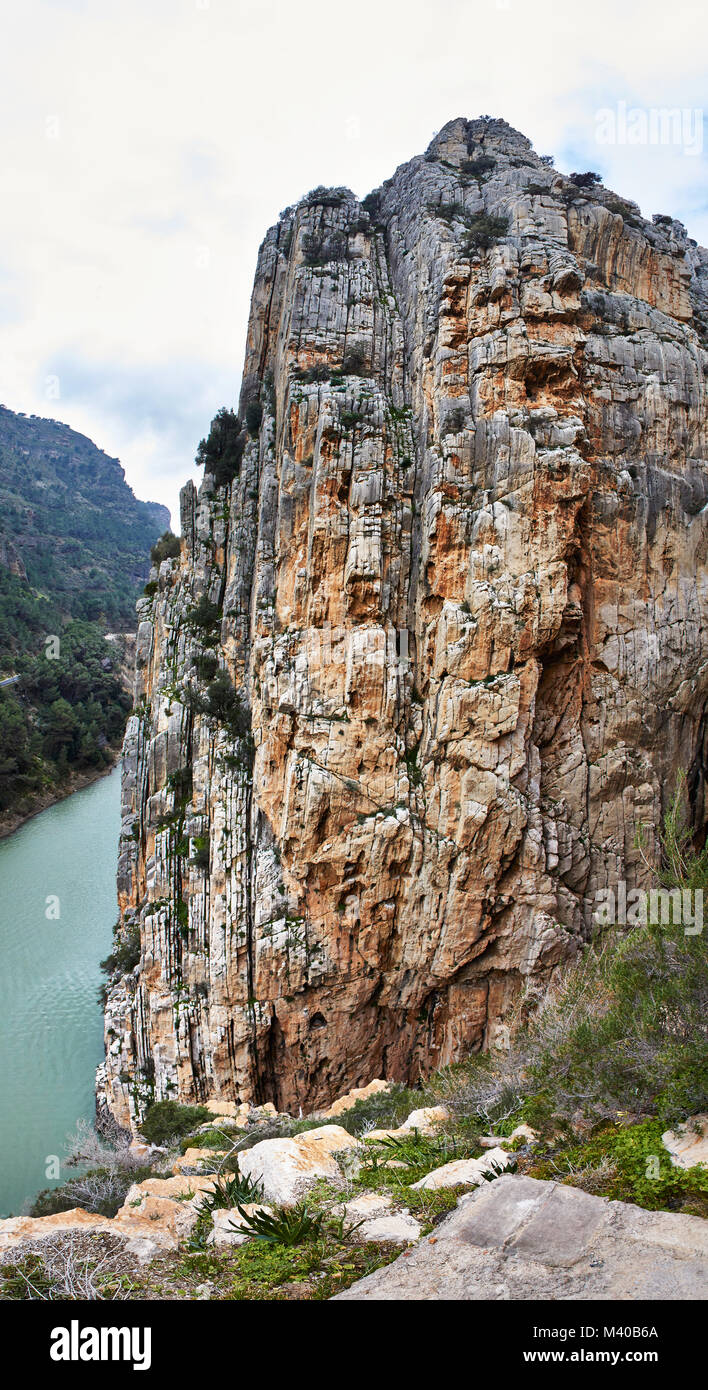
460,589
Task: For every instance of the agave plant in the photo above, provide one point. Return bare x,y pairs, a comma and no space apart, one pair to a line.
229,1191
495,1170
282,1225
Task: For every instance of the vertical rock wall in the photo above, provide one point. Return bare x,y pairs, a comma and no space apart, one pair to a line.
462,595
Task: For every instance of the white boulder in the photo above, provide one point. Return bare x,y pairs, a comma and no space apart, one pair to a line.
468,1172
287,1167
688,1144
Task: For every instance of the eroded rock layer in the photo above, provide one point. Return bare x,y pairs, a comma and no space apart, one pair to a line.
460,589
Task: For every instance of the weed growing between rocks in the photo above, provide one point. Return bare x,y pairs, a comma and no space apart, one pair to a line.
167,1119
627,1163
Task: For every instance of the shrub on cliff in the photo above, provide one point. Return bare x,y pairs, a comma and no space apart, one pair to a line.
483,231
254,416
126,949
354,361
372,202
221,702
207,665
203,618
221,452
167,1119
167,548
475,168
587,180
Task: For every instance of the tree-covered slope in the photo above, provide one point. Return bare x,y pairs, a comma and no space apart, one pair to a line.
74,525
74,552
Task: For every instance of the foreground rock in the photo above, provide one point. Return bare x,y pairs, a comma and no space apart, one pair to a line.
287,1167
376,1219
145,1238
518,1238
155,1216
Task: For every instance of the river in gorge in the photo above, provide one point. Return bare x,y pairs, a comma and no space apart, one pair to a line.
63,862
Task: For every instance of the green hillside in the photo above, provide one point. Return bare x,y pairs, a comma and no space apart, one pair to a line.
74,552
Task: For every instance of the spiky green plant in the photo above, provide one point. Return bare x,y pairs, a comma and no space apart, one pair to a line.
229,1191
282,1225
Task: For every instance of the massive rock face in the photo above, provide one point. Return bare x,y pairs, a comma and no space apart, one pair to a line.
461,592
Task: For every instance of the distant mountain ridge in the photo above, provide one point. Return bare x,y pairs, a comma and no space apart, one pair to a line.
69,517
74,553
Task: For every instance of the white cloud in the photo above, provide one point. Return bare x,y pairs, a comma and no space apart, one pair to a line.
147,146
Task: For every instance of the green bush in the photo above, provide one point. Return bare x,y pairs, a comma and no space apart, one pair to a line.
283,1225
167,548
354,361
212,1138
483,231
229,1191
475,168
320,372
450,212
126,949
254,416
628,1163
221,452
167,1119
326,197
207,666
224,704
200,856
382,1110
586,180
204,617
372,202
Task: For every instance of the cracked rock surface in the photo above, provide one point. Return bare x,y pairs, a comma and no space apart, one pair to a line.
461,594
519,1238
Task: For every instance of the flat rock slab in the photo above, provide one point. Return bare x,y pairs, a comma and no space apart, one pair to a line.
519,1238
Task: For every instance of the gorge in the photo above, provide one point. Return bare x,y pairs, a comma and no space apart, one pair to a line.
435,645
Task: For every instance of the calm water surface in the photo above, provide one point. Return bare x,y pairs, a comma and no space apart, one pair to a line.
51,1028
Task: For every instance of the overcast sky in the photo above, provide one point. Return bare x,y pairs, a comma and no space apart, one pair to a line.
148,144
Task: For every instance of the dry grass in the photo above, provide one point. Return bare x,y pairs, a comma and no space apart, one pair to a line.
70,1265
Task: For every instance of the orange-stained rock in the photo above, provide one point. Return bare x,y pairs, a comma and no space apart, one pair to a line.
461,593
344,1103
145,1238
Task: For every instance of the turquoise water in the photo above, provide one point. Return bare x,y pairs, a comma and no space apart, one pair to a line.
51,1028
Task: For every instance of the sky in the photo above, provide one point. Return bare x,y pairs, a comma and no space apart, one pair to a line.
147,145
